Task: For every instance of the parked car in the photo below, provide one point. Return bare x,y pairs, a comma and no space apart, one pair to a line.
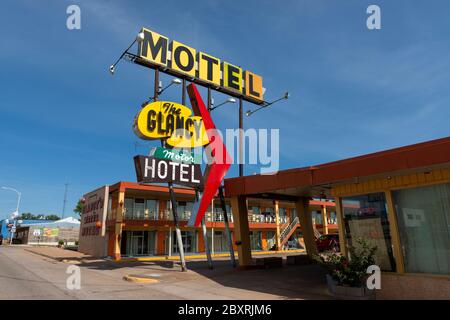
328,242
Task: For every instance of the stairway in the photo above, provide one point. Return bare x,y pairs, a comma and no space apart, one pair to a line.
285,234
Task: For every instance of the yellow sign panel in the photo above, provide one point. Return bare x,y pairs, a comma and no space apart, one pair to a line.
208,68
232,77
253,85
173,121
183,58
154,47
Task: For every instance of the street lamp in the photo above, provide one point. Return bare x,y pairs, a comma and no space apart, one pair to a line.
139,38
266,104
160,91
15,214
229,100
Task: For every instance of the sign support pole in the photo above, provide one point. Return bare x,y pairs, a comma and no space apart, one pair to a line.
227,226
172,195
205,238
205,233
241,137
222,198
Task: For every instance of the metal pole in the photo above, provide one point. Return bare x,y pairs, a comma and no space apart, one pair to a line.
205,235
241,137
227,226
183,93
65,200
17,210
171,192
177,228
170,241
205,238
222,199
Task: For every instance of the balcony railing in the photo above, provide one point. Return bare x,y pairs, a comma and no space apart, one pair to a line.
209,217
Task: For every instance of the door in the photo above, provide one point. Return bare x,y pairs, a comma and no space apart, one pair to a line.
188,239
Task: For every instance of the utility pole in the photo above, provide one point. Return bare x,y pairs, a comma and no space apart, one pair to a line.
66,185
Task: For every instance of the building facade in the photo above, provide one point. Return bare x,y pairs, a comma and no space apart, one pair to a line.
134,220
397,199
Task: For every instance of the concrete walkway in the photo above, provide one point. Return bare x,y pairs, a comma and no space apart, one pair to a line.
57,253
36,276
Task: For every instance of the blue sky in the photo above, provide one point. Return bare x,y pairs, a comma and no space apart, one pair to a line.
353,91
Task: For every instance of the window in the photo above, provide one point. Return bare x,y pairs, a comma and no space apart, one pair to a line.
423,216
129,206
184,210
317,217
255,210
138,243
365,217
189,240
151,209
255,240
218,216
139,208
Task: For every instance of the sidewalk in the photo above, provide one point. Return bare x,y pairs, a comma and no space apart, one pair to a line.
58,253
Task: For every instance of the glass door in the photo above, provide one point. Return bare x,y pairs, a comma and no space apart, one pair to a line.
135,243
188,239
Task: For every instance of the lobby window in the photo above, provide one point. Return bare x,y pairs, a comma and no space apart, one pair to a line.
423,216
365,216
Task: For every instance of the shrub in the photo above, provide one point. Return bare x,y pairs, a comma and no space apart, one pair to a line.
60,243
350,271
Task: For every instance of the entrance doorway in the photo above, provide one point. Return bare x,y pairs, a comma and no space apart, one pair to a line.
138,243
189,242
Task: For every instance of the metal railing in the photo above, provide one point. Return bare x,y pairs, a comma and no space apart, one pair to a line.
184,216
284,233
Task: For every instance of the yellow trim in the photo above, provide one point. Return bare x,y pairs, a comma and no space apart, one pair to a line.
413,180
395,235
203,256
414,274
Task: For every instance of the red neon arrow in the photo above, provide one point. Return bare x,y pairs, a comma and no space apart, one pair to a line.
216,171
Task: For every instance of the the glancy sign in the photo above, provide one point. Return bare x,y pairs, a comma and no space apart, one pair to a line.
174,121
150,169
194,64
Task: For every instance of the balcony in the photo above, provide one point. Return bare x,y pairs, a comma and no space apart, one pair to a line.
166,215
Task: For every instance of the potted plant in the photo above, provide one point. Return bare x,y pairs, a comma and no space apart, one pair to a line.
61,243
347,277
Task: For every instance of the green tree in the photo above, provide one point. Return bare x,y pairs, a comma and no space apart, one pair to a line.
52,217
79,207
27,216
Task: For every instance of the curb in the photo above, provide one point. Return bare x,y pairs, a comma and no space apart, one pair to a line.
203,256
139,279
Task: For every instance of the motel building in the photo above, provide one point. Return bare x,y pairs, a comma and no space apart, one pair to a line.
399,199
131,220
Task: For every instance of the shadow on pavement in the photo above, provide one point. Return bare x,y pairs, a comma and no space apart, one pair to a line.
289,281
